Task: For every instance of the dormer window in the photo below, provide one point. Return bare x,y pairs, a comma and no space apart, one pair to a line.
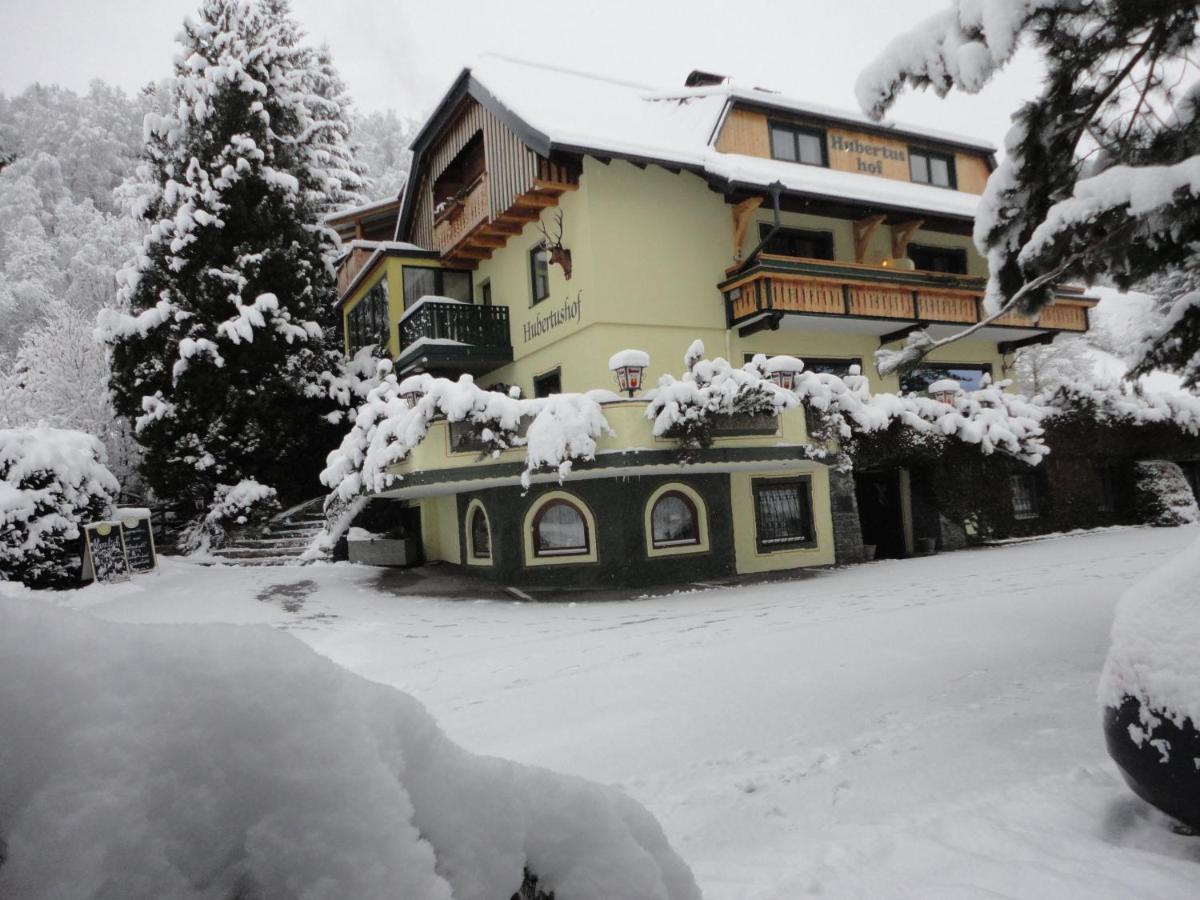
796,143
928,167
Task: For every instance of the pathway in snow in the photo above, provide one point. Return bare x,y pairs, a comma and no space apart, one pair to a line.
923,728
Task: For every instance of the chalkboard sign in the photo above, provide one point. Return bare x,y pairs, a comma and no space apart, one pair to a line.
104,557
139,544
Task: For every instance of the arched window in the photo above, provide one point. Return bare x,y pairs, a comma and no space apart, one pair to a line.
479,534
674,521
560,529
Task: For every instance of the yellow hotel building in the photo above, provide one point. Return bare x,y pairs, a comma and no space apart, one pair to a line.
553,218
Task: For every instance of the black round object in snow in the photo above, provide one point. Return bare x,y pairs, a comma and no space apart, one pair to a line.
1165,775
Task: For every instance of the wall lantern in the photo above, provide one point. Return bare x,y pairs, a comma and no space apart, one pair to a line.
783,371
629,366
944,390
412,389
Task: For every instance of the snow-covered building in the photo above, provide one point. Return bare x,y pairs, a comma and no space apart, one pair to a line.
553,218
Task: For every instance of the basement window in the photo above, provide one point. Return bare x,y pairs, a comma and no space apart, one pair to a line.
783,518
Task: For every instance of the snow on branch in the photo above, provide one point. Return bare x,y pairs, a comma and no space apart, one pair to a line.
962,46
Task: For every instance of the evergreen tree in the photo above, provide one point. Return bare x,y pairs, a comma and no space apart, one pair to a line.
1100,177
218,357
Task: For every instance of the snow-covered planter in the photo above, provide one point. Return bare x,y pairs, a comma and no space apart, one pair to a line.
238,505
231,761
687,409
562,428
52,482
1150,689
1164,496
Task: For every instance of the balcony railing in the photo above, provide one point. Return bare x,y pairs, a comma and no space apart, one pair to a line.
778,285
460,216
443,335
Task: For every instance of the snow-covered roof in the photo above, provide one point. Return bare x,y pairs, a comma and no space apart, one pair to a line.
569,110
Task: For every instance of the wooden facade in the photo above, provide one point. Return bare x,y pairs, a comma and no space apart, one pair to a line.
516,184
747,131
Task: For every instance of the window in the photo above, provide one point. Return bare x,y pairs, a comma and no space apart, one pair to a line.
796,242
485,294
1024,496
938,259
674,521
794,143
559,529
367,322
479,534
822,365
1108,488
968,375
426,281
539,273
783,514
548,383
928,167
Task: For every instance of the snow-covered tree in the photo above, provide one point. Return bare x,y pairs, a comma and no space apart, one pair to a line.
384,139
1170,336
1043,369
228,328
60,377
1101,171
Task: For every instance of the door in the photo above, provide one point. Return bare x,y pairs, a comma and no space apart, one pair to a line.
880,513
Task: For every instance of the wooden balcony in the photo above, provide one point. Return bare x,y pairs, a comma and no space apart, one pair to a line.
461,216
472,233
445,337
777,286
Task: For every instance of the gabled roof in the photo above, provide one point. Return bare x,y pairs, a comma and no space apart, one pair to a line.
555,109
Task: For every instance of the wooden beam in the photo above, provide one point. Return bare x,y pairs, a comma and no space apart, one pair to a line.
503,229
466,250
484,239
901,333
863,229
902,234
535,200
743,213
513,214
769,322
1007,347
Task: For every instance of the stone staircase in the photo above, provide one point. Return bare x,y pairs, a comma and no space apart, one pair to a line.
280,542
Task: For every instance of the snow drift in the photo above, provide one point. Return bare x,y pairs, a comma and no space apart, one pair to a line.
231,761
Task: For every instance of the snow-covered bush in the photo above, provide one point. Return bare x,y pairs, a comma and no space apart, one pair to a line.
1123,403
232,506
563,428
1150,687
221,762
1164,496
52,482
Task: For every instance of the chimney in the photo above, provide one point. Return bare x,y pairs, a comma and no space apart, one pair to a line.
700,78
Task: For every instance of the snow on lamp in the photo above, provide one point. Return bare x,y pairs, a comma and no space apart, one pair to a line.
411,390
629,366
945,390
783,371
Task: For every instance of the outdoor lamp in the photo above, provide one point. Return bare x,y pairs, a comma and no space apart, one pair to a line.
944,390
411,390
629,366
783,371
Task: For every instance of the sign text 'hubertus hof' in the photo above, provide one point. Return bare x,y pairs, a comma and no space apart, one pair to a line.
568,312
864,149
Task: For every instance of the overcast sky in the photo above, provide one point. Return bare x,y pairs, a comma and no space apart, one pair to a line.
403,53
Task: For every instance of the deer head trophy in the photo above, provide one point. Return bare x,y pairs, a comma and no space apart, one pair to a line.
559,255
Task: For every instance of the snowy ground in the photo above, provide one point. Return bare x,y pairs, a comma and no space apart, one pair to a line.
923,728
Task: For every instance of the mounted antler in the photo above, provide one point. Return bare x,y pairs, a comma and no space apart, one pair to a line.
559,254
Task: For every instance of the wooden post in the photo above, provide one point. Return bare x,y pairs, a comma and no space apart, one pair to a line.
743,213
863,229
901,235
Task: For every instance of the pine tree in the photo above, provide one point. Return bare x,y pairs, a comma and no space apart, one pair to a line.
218,359
1099,179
